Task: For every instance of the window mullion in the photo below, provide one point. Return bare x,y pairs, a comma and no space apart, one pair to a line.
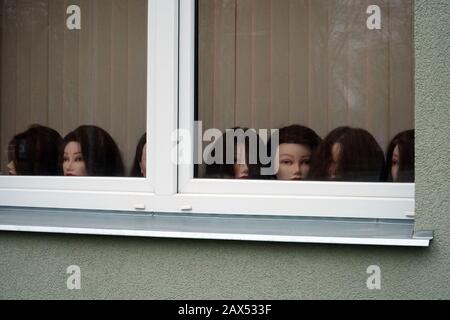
163,43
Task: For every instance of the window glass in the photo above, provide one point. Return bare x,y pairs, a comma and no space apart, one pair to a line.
73,87
305,90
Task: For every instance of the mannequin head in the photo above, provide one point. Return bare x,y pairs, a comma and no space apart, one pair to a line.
73,161
34,152
296,145
348,154
11,168
400,157
139,168
241,167
90,151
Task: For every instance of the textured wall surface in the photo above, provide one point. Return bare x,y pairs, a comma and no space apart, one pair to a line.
34,265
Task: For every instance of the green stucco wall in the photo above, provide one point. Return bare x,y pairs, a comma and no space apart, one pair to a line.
34,265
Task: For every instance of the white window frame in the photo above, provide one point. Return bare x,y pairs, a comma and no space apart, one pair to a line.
306,198
172,189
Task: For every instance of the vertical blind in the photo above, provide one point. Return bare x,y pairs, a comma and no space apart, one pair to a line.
63,78
270,63
262,64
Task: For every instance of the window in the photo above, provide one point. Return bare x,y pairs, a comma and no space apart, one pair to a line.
74,101
185,72
267,65
78,71
319,64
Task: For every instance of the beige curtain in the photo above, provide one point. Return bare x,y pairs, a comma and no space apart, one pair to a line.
64,78
270,63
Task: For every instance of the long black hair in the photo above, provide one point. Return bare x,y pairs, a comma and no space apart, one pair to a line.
225,170
360,157
35,151
136,169
100,152
405,142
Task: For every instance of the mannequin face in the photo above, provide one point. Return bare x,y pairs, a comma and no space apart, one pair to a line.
294,161
335,156
395,163
240,168
73,163
143,162
12,169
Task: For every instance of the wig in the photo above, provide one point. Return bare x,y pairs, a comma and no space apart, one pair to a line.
225,169
100,152
405,142
360,157
136,169
35,151
298,134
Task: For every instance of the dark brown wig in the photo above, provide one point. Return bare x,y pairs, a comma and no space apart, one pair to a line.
136,169
360,157
35,151
405,142
225,169
299,135
100,152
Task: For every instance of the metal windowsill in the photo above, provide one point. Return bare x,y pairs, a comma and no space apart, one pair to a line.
217,227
